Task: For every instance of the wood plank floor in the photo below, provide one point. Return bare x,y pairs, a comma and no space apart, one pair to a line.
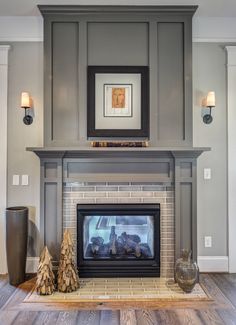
222,287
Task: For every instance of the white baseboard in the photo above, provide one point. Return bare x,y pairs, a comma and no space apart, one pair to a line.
213,263
32,264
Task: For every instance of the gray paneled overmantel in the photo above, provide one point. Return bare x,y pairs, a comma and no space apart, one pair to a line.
159,37
165,165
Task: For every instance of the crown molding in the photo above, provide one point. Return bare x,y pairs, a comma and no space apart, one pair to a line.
83,9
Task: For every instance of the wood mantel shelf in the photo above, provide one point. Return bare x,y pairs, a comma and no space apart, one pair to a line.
89,152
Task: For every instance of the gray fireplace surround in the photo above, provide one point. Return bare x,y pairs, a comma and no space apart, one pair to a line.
160,38
175,167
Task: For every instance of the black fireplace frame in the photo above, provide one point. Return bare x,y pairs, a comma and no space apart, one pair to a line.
118,268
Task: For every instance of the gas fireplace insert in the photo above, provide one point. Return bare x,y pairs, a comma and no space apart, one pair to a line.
118,240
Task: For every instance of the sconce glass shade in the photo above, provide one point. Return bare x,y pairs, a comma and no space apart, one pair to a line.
210,103
211,100
25,100
25,103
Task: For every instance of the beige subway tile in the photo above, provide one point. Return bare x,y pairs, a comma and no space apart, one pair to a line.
118,194
106,200
142,194
95,194
130,200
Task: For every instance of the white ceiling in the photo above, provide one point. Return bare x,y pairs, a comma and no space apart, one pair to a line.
207,8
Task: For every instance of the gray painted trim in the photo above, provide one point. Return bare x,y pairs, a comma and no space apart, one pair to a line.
72,9
194,210
188,96
47,83
182,171
181,202
187,83
177,210
150,152
96,169
153,100
55,206
42,203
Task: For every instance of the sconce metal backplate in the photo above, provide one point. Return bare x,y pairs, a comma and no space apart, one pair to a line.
207,119
28,119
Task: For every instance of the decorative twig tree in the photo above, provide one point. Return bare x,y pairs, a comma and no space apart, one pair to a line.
45,278
68,279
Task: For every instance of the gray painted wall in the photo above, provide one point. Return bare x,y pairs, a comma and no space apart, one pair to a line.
26,73
209,71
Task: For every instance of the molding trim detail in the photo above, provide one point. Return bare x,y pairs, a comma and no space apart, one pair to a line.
94,9
167,165
3,145
213,263
231,83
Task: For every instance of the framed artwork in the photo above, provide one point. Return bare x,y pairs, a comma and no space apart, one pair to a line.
118,101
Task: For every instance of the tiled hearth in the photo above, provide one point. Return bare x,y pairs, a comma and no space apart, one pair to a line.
124,192
122,289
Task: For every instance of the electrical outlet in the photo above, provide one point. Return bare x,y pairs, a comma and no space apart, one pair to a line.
16,180
207,173
208,241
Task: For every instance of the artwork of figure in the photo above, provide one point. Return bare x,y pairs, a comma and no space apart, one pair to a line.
118,97
118,100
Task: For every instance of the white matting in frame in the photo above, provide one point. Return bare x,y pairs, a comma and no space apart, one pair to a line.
108,117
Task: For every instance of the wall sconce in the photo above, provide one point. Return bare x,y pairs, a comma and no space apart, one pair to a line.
25,103
210,103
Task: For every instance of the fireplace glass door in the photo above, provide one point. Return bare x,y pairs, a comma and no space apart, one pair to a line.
118,240
118,237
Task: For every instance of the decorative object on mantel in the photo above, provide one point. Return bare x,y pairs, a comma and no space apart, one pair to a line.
16,243
209,102
118,101
104,144
25,103
45,277
186,271
68,279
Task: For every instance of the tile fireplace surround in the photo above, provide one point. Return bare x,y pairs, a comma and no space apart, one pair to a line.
124,192
121,175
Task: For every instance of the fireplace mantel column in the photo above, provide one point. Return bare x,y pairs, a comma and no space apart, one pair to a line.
51,205
185,203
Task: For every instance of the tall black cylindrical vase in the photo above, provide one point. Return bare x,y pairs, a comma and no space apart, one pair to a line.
16,243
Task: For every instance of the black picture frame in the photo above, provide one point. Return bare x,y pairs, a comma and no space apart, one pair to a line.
92,131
